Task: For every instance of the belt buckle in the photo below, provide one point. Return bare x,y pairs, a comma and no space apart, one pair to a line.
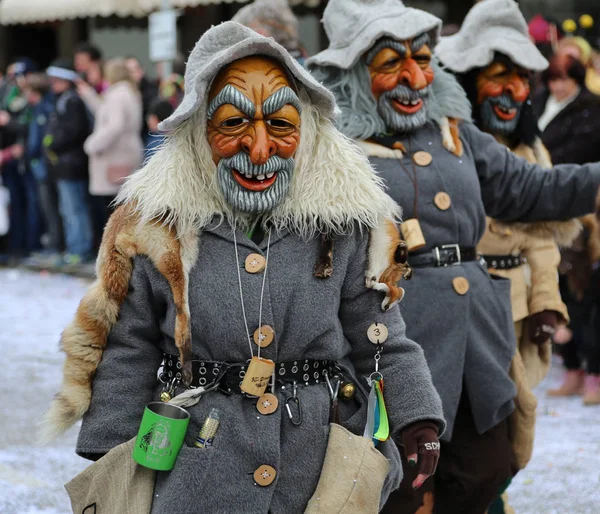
456,248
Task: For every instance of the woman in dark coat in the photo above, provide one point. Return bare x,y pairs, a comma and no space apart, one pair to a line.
569,114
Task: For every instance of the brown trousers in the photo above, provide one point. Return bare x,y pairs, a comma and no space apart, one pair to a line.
470,472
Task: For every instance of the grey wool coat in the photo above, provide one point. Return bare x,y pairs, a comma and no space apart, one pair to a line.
469,339
313,318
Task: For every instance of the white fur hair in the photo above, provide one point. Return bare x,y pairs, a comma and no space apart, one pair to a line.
333,186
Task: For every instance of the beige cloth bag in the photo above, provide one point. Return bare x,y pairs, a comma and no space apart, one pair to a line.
352,477
114,484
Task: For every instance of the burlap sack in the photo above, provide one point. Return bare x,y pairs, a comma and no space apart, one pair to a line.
352,477
114,484
522,420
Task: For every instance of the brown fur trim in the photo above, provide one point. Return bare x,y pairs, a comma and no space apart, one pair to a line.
324,264
455,133
387,263
451,136
563,232
85,338
590,222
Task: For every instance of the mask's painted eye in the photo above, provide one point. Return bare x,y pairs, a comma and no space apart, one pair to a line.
234,122
422,59
280,124
392,62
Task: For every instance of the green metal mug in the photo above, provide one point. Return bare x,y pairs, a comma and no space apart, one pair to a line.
161,436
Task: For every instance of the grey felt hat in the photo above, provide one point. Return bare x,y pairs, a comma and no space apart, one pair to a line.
224,44
353,26
276,16
491,26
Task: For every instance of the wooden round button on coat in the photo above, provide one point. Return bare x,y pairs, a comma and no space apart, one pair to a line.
265,475
267,404
442,201
264,336
377,333
460,285
422,158
255,263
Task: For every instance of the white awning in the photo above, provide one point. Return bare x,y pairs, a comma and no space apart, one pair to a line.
156,4
32,11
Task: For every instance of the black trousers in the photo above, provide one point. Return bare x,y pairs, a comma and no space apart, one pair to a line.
52,220
471,470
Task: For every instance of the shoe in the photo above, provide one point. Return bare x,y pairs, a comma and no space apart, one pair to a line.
591,395
572,385
44,260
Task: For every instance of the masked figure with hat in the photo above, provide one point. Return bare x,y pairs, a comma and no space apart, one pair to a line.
256,234
412,119
494,60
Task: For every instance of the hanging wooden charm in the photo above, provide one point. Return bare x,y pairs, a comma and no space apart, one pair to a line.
412,234
257,376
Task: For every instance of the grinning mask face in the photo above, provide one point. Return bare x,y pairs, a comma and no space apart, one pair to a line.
401,77
254,131
502,89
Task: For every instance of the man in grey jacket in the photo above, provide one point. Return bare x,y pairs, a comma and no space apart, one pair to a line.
244,240
412,119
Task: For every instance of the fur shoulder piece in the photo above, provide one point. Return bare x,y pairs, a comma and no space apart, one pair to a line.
84,340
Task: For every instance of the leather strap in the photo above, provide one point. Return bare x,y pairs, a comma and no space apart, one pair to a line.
230,375
504,262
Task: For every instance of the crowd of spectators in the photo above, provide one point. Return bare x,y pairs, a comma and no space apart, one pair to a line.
69,136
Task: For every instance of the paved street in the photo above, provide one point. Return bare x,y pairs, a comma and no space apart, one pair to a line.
563,478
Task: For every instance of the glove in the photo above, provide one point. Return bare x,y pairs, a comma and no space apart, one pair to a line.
422,449
542,326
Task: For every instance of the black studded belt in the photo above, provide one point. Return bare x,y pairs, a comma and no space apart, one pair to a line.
504,262
229,376
442,256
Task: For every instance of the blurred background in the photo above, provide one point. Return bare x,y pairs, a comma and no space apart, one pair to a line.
47,29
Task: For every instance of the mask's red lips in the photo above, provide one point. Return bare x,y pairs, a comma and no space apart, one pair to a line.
253,184
505,114
409,107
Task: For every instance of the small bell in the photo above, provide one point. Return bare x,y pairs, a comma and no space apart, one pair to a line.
347,391
165,397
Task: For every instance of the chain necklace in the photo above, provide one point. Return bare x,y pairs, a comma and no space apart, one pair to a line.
262,293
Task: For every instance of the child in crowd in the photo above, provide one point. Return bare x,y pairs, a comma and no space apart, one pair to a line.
160,110
41,100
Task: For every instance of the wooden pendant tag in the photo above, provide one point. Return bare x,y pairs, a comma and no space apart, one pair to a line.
257,376
412,234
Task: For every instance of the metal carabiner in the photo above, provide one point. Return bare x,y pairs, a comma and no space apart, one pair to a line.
294,398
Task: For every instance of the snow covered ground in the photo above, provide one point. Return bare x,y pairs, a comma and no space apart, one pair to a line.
563,477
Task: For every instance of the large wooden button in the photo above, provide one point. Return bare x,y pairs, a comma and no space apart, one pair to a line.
255,263
265,475
461,285
423,158
442,201
264,336
267,404
377,333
